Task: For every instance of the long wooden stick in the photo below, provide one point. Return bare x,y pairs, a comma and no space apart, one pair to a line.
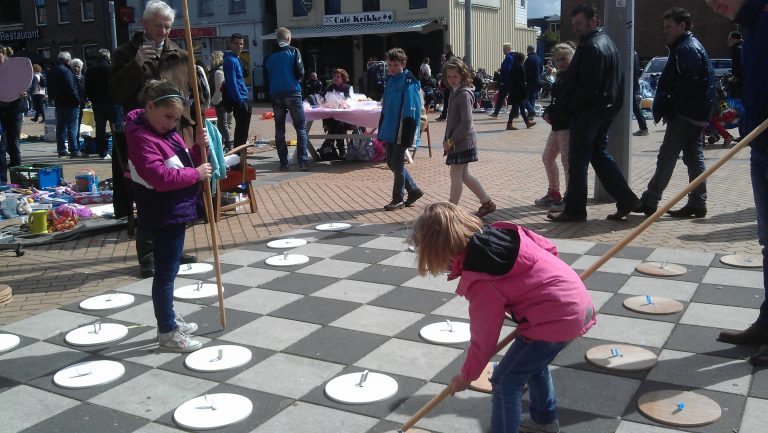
207,195
610,253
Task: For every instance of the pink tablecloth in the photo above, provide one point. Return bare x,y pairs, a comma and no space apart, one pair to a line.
367,117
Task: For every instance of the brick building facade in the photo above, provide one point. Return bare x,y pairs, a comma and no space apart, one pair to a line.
710,28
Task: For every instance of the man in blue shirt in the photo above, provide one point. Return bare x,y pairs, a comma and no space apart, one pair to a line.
235,91
533,68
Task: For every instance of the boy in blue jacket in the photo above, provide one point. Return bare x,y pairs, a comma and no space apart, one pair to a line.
399,125
235,90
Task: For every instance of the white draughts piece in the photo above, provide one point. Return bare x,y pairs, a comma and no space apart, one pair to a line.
88,374
8,342
287,260
107,301
741,260
446,332
196,291
333,227
212,411
218,358
97,333
361,388
195,268
287,243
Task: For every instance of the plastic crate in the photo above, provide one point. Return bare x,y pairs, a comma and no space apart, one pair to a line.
37,175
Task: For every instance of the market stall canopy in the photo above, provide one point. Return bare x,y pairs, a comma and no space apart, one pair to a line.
423,26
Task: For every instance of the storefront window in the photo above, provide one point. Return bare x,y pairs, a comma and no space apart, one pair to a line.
301,8
237,6
332,7
417,4
90,54
63,11
41,13
88,11
206,8
44,52
371,6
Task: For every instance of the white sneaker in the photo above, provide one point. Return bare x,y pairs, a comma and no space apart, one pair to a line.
177,341
107,156
528,425
184,326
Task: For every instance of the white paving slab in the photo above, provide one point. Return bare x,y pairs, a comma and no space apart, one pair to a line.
260,301
144,314
661,287
719,316
144,287
466,412
405,259
24,406
409,358
681,257
143,349
45,325
633,427
249,277
287,375
734,277
456,307
599,298
319,250
377,320
572,246
354,291
271,333
387,243
334,268
632,331
754,416
243,257
614,265
437,283
702,371
303,417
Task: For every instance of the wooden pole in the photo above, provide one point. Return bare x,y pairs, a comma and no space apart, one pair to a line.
207,195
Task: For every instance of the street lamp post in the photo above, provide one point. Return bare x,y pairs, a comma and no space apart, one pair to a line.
468,33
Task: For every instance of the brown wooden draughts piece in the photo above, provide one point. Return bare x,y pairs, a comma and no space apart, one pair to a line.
661,269
621,357
662,406
741,260
657,305
483,383
6,294
410,430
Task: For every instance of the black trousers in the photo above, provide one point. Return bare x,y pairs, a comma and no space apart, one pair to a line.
242,115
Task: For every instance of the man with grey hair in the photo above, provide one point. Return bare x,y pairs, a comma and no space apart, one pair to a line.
283,72
63,90
105,108
505,72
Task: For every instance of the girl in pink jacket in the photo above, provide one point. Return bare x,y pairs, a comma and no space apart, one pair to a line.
505,268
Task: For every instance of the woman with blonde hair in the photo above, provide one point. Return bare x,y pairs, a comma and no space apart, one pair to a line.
37,91
224,115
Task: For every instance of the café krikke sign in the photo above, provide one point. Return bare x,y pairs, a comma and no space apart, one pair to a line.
361,18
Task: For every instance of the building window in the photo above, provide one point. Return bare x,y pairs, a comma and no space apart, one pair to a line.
236,6
332,7
206,8
301,8
41,13
522,3
89,13
90,54
417,4
63,11
44,52
371,6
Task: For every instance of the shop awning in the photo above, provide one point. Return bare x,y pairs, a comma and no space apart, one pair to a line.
361,29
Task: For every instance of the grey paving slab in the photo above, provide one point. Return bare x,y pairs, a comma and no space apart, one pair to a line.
375,229
377,320
573,385
349,239
437,283
599,298
322,250
271,333
211,275
628,252
156,428
336,345
615,306
365,255
48,324
702,371
6,384
75,306
754,416
568,257
615,265
86,418
152,394
142,349
144,287
208,321
176,365
701,339
334,268
409,358
262,264
37,360
573,421
719,316
315,310
382,274
573,356
633,427
629,330
304,284
413,332
354,291
251,277
680,290
457,307
745,278
572,246
243,257
466,412
693,274
260,301
409,299
144,314
729,295
405,259
759,383
681,257
309,418
387,243
287,375
606,281
30,406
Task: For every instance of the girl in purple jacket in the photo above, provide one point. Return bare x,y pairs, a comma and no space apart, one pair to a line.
507,269
165,176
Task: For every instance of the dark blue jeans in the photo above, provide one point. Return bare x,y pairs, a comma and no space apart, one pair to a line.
104,112
396,163
588,142
66,128
680,135
10,127
641,123
529,104
281,106
759,172
167,246
525,362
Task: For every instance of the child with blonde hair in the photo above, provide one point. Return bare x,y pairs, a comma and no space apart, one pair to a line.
460,142
506,268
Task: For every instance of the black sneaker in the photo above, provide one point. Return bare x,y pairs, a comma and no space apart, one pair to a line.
394,205
147,270
187,258
413,196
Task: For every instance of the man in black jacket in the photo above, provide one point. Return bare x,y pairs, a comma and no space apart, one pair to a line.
105,109
592,96
62,88
684,98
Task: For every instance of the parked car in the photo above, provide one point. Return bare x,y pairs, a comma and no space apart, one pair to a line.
655,66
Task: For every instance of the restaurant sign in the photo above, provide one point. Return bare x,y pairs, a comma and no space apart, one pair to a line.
19,35
361,18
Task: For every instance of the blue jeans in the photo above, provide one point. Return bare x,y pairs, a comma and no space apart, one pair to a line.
167,246
396,163
104,112
10,128
641,123
526,361
680,135
588,142
281,106
759,172
529,104
66,128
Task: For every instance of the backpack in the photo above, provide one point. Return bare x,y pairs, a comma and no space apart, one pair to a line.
376,78
205,90
360,149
